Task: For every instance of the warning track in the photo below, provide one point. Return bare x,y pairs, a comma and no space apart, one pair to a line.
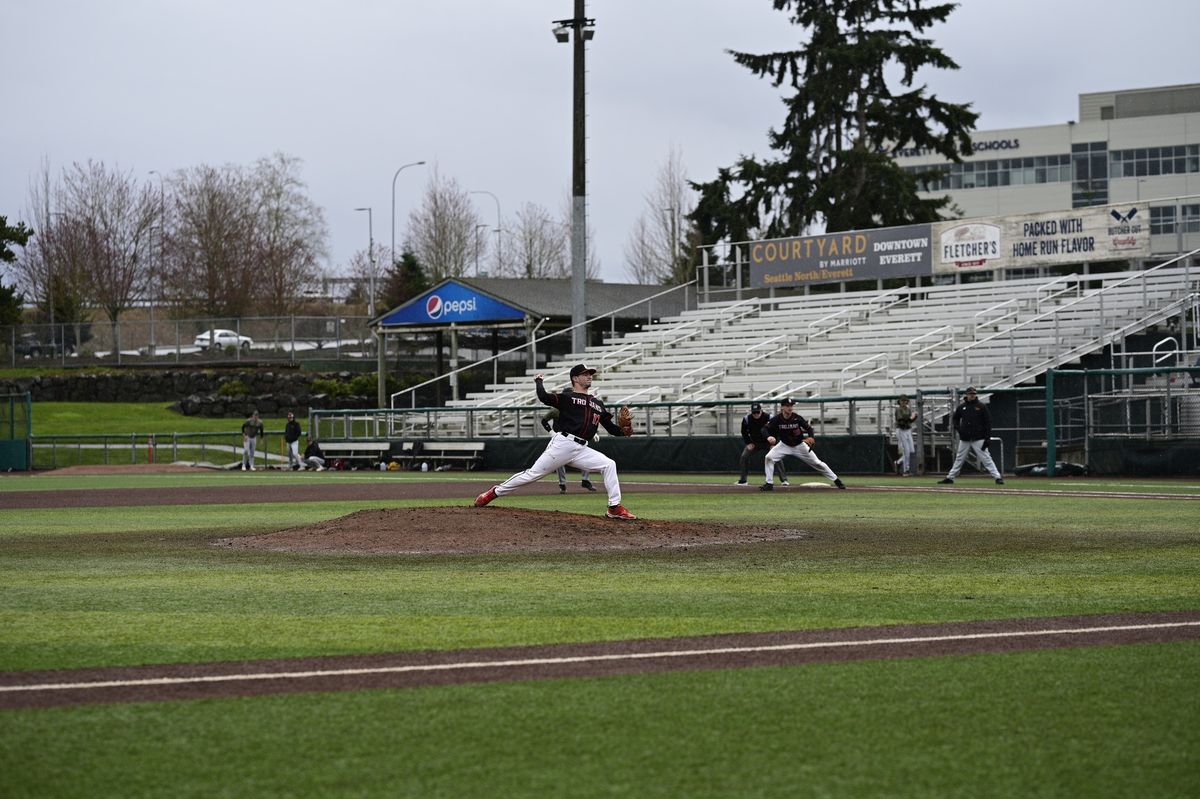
40,689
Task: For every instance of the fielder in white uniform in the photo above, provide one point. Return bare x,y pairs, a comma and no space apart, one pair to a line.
789,434
905,416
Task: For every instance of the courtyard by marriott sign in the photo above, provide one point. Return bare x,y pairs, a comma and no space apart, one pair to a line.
834,257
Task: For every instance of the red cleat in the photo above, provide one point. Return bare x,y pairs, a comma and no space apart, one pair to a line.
485,497
619,512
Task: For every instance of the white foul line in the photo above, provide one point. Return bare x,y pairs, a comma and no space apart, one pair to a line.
488,664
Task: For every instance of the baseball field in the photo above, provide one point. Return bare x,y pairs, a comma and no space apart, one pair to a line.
167,631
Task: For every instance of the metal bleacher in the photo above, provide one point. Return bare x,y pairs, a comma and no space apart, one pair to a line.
852,344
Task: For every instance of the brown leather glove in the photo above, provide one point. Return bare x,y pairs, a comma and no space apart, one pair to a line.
625,420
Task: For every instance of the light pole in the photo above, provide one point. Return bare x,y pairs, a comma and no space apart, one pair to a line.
398,171
370,260
674,238
477,229
162,234
498,239
584,29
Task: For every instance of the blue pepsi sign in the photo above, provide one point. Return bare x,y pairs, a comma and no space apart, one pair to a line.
452,303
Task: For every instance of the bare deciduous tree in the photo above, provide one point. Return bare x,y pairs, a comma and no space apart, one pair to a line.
593,261
441,233
53,264
363,270
656,250
115,217
210,258
536,245
289,235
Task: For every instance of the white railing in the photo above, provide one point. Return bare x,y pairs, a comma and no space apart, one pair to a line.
843,380
1083,302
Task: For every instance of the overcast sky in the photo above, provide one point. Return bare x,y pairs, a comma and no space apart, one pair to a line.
480,90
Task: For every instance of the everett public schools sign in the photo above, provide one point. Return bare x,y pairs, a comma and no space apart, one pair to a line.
1107,233
834,257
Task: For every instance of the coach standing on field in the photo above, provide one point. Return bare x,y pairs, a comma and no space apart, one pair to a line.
579,415
973,424
754,435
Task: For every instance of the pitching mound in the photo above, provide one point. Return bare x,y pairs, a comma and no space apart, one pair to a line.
444,530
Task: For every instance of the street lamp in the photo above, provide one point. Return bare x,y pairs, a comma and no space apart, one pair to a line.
584,29
674,237
498,239
398,171
477,229
370,260
162,234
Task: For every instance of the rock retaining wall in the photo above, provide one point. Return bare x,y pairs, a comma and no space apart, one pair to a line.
193,393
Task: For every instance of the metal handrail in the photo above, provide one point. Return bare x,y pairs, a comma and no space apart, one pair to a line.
534,343
1053,313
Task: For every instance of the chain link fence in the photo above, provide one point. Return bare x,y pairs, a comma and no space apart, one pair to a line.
188,341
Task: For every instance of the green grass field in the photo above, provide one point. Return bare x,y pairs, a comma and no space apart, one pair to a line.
119,586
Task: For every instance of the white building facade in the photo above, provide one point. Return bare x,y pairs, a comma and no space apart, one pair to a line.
1138,146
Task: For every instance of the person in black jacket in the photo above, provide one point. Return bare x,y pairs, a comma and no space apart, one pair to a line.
974,427
754,437
291,434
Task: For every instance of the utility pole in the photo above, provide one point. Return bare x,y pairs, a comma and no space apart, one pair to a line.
584,29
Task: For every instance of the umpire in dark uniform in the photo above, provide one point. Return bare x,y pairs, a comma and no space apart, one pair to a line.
754,437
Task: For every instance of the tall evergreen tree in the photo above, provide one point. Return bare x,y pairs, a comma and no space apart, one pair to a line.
10,300
404,280
834,169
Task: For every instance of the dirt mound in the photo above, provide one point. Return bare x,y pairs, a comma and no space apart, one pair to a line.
476,530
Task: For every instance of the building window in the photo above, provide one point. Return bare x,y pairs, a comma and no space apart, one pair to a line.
1151,161
1190,218
997,172
1162,220
1089,185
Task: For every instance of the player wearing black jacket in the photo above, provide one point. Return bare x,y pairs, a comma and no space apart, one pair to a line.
754,436
580,415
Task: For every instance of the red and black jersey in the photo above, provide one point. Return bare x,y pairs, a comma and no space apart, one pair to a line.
578,414
790,431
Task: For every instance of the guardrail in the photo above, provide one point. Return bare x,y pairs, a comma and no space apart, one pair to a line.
218,449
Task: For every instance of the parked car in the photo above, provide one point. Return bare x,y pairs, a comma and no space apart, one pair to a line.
220,339
28,345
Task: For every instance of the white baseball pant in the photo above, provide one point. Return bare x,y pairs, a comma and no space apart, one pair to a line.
801,451
563,451
904,440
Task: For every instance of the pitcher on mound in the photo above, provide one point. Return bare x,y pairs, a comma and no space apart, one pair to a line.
579,416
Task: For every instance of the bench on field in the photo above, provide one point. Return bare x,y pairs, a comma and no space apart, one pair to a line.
441,454
355,451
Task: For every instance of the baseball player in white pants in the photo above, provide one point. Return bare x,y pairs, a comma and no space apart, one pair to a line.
567,450
905,416
801,451
786,433
579,416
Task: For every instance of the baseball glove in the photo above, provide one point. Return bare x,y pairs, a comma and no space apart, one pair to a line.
625,420
810,441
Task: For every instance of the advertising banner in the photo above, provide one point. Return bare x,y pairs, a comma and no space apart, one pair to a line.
1106,233
834,257
452,303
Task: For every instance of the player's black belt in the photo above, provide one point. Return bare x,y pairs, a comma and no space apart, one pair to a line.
576,439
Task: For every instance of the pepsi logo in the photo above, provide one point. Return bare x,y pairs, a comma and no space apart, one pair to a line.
433,306
436,307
